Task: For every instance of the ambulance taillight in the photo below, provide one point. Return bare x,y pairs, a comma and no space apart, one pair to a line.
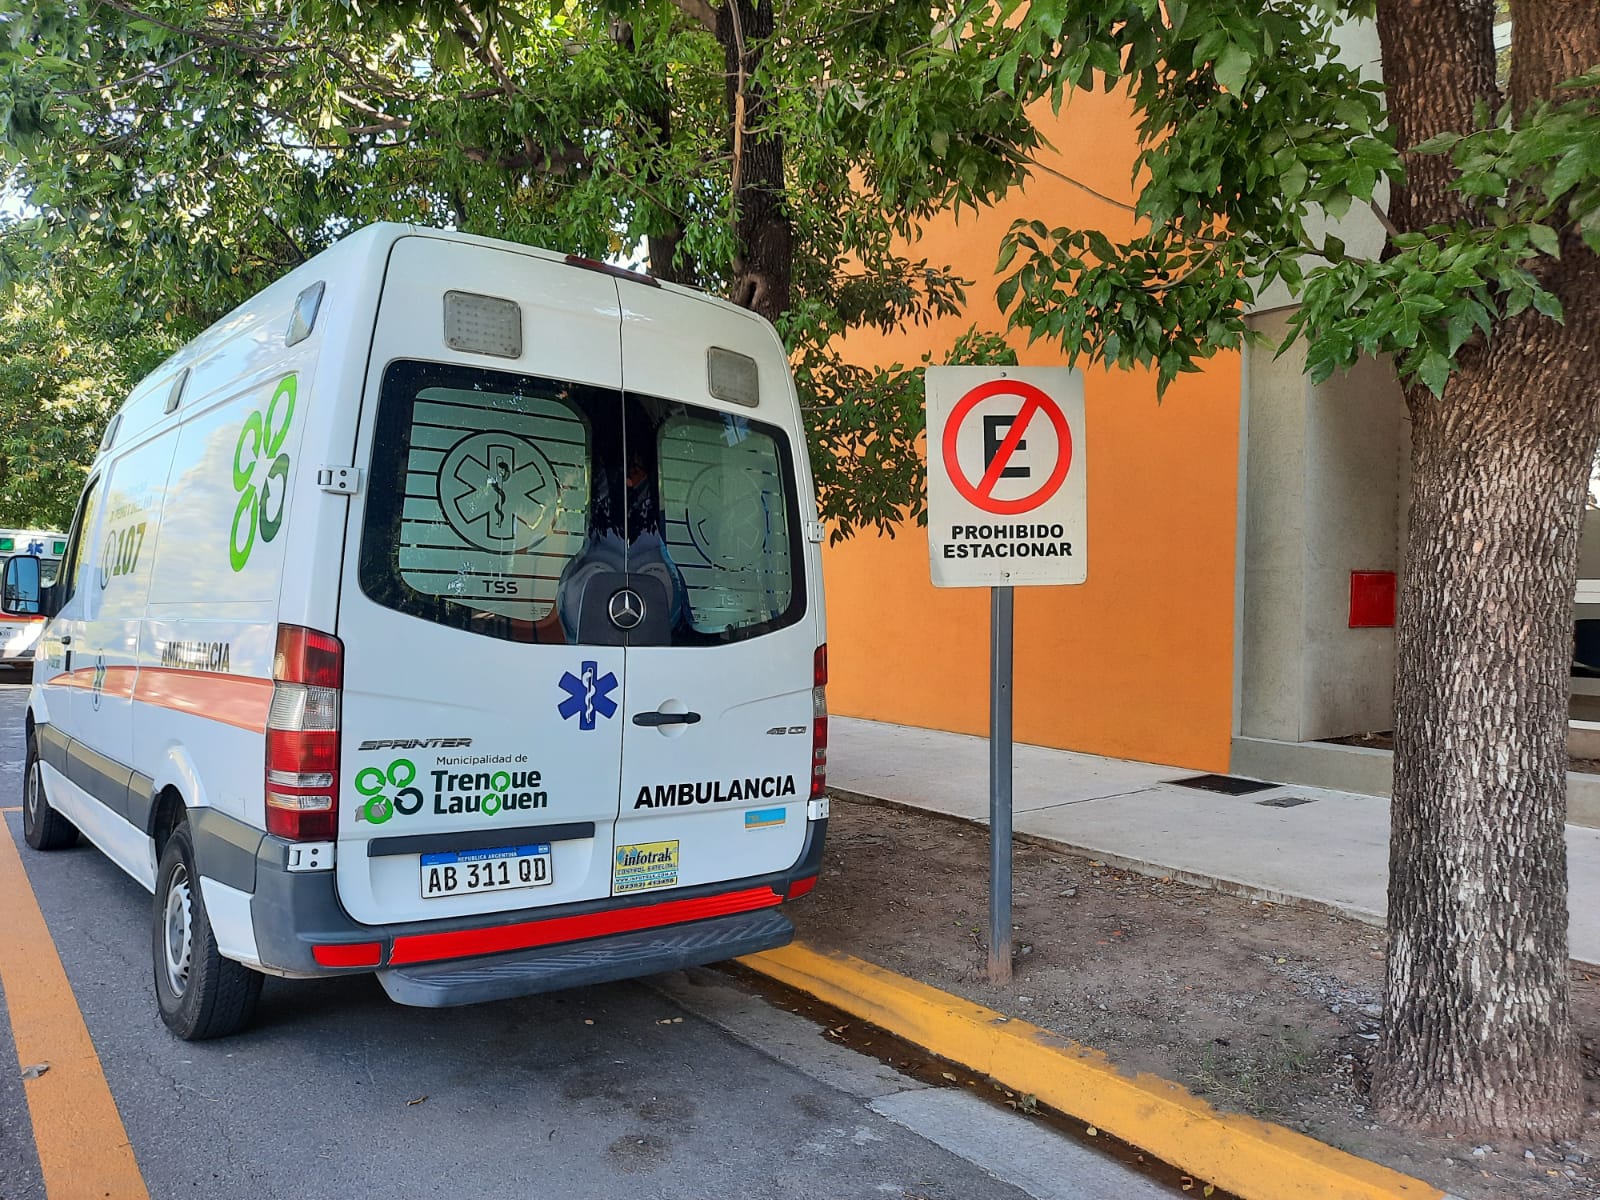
303,736
819,722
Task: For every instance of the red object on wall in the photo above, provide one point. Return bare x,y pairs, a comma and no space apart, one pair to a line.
1371,599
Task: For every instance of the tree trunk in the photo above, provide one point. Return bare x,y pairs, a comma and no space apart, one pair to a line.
1477,1034
653,111
764,257
668,258
1477,1031
1438,62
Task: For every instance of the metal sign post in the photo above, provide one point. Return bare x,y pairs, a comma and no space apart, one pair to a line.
1000,602
1007,507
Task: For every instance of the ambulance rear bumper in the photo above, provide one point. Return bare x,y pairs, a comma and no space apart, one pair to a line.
578,964
302,930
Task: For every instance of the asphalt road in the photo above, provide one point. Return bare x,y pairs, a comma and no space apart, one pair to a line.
681,1086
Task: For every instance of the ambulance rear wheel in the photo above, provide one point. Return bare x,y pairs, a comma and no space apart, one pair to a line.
42,826
201,994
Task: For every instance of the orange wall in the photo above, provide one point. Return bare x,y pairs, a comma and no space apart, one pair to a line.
1136,663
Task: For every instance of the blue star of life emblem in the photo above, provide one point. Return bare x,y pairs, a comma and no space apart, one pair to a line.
35,547
588,693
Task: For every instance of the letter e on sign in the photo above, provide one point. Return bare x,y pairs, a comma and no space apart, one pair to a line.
1007,482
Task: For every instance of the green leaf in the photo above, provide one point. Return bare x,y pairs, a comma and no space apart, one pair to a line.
1545,240
1231,67
1006,72
1293,181
1439,143
1548,304
1434,373
1572,167
1460,328
1006,292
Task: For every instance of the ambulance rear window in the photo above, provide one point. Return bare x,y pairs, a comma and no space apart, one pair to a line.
480,496
513,506
728,510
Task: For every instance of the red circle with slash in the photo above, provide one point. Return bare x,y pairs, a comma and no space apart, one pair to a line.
1034,401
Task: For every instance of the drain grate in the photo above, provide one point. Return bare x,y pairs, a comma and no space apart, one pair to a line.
1287,801
1230,785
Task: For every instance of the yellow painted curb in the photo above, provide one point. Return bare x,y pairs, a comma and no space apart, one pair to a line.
1257,1160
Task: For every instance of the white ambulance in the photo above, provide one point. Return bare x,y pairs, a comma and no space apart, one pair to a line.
451,611
19,635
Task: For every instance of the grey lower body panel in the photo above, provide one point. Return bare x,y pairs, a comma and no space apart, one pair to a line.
225,848
601,960
102,777
120,788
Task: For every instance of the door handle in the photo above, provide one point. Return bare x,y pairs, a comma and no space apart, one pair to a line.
66,639
649,719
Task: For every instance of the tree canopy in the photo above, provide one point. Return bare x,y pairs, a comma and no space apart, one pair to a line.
1255,130
185,152
65,366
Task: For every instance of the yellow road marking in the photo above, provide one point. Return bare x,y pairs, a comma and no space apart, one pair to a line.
1248,1157
83,1148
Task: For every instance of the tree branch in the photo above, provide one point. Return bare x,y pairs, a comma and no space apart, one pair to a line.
1383,219
285,234
148,73
472,33
481,45
216,41
378,119
735,180
698,11
1082,187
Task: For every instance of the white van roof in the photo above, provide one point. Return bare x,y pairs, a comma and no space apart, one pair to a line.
266,313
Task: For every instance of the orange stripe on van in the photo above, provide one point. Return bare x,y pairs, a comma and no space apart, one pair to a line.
119,681
239,700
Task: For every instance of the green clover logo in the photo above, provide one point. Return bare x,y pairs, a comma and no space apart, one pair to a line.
374,784
263,512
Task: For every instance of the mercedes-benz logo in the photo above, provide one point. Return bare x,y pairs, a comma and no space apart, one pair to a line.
626,608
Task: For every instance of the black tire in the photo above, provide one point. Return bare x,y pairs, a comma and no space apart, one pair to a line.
201,994
42,826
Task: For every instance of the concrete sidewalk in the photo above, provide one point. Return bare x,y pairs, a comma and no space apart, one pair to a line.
1332,853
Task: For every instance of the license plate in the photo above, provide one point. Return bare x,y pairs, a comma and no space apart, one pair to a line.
467,872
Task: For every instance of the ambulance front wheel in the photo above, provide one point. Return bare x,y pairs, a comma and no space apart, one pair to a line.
42,826
201,994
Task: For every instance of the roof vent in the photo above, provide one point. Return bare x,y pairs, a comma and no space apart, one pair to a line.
733,377
482,324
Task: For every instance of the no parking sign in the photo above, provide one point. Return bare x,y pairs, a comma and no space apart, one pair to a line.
1007,495
1006,506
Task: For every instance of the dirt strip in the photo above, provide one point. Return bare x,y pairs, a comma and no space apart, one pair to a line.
1259,1008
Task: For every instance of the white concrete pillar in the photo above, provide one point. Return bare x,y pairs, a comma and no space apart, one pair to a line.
1325,475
